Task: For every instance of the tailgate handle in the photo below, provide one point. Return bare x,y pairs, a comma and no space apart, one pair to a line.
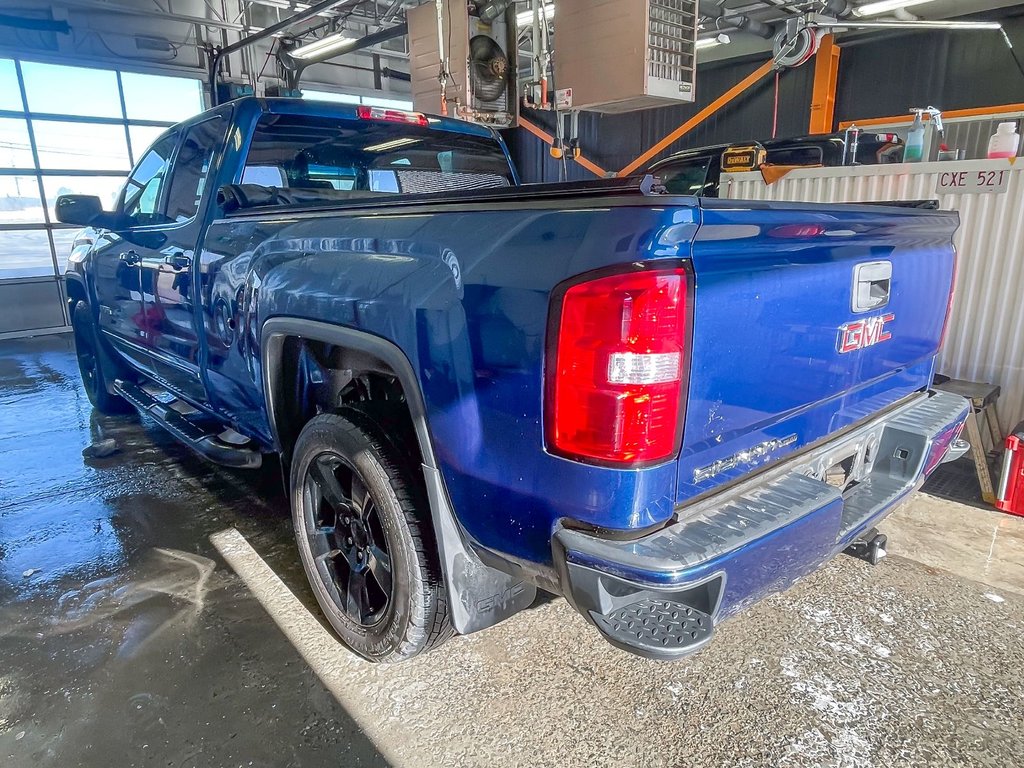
872,281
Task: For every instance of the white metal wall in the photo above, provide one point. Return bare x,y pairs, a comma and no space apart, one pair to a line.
986,335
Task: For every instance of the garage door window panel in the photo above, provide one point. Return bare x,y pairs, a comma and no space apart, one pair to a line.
15,146
161,98
65,146
78,91
10,91
25,253
19,200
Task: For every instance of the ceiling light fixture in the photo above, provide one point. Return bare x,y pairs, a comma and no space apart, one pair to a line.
338,42
885,6
711,42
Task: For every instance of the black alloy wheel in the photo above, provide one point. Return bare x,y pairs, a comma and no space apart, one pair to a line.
94,363
364,532
347,540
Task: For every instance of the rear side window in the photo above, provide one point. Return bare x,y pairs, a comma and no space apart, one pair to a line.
334,159
795,156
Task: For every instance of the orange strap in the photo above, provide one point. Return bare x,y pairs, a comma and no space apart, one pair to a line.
700,117
550,140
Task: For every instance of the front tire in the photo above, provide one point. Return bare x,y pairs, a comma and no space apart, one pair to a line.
363,530
94,364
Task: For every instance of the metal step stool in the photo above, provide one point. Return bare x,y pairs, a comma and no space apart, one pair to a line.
983,397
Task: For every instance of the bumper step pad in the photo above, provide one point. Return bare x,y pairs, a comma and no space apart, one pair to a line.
656,628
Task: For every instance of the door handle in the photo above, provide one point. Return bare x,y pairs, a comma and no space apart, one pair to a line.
179,261
872,284
130,258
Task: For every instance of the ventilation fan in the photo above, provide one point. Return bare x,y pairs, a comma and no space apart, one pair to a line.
462,60
488,69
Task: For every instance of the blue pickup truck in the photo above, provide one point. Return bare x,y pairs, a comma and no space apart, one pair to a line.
659,407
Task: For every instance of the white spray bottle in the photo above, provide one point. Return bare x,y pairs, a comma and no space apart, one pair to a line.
914,149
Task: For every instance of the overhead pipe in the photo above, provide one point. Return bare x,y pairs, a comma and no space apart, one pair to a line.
740,21
395,74
219,53
841,9
751,26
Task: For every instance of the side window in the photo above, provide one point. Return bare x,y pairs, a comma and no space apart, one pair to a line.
796,156
687,178
141,195
192,168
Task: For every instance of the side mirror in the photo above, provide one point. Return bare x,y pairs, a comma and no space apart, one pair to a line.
80,210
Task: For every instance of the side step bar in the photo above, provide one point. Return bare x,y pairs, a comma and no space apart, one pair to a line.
195,436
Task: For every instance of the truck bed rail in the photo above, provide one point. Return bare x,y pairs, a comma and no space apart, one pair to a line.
641,186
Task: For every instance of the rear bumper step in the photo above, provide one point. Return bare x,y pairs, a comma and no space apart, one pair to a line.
201,440
754,539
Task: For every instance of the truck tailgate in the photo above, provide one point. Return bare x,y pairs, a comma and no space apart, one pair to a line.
807,319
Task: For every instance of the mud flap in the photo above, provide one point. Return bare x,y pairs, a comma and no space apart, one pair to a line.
479,596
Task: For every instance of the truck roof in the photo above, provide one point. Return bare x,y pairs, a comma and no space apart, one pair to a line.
317,108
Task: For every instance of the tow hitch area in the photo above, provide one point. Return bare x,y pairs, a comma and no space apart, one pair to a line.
869,547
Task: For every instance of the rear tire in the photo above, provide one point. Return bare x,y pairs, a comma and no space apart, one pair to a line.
363,530
95,364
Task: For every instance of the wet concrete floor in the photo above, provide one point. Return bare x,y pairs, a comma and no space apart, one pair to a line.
126,638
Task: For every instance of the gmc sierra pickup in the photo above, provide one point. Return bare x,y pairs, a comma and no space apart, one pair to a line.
661,408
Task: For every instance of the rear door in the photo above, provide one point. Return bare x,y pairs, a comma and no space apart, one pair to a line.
168,265
807,319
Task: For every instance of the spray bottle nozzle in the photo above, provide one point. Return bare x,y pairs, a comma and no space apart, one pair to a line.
933,113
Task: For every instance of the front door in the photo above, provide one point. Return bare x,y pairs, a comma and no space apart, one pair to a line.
117,256
168,266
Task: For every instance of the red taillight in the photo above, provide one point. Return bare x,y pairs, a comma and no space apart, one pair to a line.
391,115
949,301
616,370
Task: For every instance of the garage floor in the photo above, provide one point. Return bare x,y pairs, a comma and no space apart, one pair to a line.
151,613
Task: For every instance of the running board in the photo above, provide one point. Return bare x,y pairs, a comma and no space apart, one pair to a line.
198,437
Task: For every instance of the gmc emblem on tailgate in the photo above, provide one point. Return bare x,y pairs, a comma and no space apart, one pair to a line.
865,332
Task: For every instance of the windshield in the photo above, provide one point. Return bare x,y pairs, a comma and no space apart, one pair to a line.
347,158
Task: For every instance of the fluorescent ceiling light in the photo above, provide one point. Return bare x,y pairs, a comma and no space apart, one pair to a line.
337,42
393,144
886,6
525,18
711,42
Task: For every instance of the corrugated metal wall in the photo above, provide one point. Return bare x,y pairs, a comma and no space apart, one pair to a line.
613,141
986,335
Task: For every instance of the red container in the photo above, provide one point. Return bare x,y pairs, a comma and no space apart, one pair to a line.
1010,496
